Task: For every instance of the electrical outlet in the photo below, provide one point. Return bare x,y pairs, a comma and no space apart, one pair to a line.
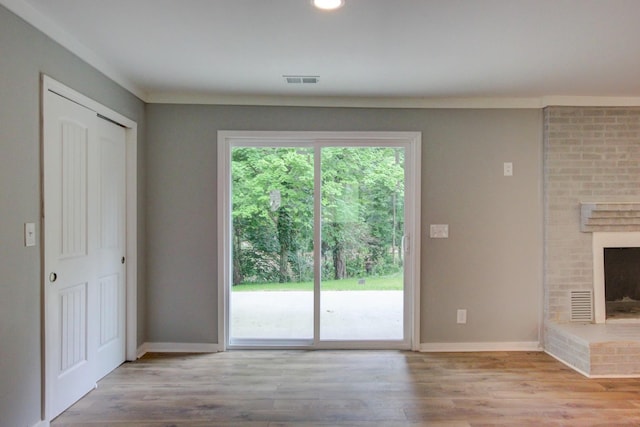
508,169
462,316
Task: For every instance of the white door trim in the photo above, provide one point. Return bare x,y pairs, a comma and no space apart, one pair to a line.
131,127
412,209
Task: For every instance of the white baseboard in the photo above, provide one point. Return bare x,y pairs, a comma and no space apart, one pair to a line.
480,346
173,347
141,351
166,347
564,362
42,423
597,376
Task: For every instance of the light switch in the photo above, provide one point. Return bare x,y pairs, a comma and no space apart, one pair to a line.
29,234
439,231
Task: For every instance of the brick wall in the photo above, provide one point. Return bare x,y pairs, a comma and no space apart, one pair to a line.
591,155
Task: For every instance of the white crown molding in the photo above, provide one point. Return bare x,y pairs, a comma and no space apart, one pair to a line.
31,15
391,102
590,101
339,101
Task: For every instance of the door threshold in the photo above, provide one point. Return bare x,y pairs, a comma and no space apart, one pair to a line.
302,344
271,344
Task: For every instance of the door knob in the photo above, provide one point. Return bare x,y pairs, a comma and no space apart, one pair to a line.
53,277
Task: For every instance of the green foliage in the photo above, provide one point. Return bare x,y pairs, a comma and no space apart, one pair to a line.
261,226
362,204
392,282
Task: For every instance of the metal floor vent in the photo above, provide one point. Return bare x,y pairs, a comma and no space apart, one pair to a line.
302,79
581,306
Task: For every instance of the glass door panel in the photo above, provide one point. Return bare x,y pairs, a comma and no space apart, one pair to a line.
272,291
362,285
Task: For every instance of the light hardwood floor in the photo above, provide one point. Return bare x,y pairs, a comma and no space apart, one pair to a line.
354,388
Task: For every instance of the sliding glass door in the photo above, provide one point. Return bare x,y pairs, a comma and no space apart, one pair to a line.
317,243
272,244
362,280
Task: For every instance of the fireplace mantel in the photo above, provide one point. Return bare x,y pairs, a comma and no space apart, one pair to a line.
609,216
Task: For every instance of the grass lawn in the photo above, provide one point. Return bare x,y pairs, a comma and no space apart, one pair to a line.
386,283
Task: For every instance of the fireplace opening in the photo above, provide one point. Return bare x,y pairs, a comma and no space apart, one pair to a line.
622,282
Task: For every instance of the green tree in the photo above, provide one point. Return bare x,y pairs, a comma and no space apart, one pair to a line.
269,229
362,210
361,190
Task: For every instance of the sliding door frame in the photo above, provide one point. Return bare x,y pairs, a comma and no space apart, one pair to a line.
410,141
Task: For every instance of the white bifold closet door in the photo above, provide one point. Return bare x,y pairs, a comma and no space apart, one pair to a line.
84,246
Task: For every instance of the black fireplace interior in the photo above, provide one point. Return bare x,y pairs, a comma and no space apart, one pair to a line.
622,282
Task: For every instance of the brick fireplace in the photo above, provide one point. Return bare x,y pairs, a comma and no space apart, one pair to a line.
592,197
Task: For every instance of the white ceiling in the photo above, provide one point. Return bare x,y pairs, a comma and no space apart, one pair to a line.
166,50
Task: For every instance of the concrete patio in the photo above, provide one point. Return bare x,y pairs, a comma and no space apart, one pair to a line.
344,315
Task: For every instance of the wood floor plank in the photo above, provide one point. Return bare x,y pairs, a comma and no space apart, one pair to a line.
353,388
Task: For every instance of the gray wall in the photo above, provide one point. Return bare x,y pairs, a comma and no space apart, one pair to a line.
24,54
491,264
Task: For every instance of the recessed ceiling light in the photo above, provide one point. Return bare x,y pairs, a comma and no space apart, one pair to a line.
328,4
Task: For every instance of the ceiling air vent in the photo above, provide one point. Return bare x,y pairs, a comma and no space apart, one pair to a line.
302,79
581,306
